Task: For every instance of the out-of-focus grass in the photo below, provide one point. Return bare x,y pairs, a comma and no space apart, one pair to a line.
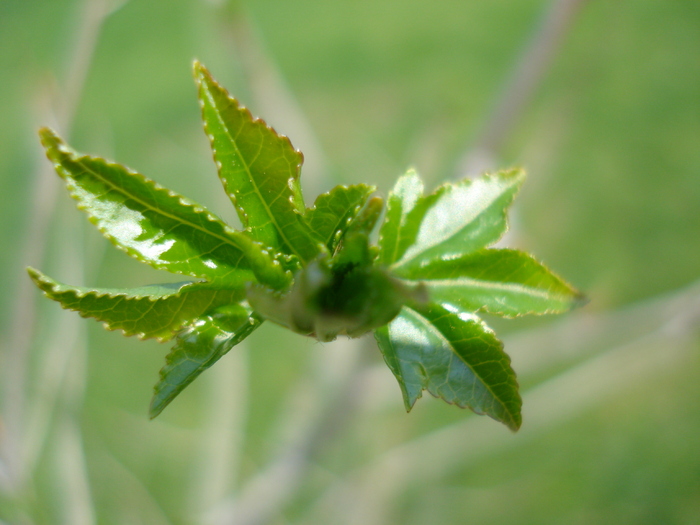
612,203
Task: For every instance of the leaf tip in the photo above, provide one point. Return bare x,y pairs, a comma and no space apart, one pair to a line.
41,280
409,403
33,273
518,175
56,148
49,138
156,407
198,69
514,425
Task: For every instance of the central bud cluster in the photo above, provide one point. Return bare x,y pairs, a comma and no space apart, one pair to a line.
327,300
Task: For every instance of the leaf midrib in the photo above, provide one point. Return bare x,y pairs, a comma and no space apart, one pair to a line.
80,160
391,255
250,175
492,285
339,223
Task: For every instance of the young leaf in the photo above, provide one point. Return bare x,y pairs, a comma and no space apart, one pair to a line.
457,219
366,219
150,223
259,170
333,212
398,231
201,345
454,356
157,311
502,282
354,248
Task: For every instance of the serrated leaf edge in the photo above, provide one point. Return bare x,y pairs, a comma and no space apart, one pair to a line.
255,321
518,176
513,423
347,219
575,298
298,208
196,207
40,279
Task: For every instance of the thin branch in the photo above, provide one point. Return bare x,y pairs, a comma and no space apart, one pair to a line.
74,485
265,495
222,437
334,386
366,496
262,498
39,218
523,81
274,97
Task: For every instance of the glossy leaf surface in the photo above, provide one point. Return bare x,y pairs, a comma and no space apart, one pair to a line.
405,209
200,346
151,223
156,311
456,357
259,170
333,211
502,282
459,219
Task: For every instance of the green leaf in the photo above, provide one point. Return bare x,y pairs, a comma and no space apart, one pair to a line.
454,356
334,211
151,223
259,170
456,219
502,282
156,311
199,347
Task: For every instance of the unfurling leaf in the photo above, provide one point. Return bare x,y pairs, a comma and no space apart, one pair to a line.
457,219
314,271
334,211
404,210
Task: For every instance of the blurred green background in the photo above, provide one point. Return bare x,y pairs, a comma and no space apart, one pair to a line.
288,431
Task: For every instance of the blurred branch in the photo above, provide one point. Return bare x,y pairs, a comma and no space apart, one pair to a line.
522,83
136,504
580,335
73,485
17,454
365,495
273,96
262,498
222,436
328,394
